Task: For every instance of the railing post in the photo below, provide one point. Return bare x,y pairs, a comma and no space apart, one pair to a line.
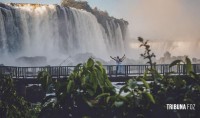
184,69
126,66
116,70
67,72
197,68
129,69
126,70
194,68
58,72
108,70
139,70
163,66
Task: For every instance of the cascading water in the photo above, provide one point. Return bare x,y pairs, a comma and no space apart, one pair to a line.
55,32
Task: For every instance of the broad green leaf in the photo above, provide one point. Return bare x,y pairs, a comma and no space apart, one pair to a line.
175,63
90,62
99,78
45,79
102,95
89,103
145,74
91,92
121,97
194,75
99,63
179,82
77,68
145,83
107,99
83,80
132,83
118,103
108,83
188,61
70,86
157,74
47,98
99,68
94,81
124,88
188,65
150,97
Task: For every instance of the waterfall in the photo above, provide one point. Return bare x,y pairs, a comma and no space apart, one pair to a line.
55,32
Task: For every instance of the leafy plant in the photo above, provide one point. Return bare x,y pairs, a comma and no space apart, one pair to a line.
147,54
12,105
79,93
168,89
87,92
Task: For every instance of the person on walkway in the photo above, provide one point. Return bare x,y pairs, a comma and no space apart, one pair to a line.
118,61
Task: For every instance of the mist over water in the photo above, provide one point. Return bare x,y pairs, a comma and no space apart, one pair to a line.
56,33
170,25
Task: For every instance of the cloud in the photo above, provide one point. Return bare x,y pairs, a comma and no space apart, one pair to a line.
166,19
172,25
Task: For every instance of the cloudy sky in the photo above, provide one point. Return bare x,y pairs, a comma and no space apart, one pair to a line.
158,20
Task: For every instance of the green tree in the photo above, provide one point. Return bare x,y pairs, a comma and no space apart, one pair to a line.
12,105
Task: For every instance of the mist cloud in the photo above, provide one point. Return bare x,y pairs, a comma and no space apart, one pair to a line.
167,19
172,25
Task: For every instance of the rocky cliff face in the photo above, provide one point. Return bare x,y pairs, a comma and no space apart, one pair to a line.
104,19
77,4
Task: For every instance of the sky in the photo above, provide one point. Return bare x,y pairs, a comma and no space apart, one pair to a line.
158,20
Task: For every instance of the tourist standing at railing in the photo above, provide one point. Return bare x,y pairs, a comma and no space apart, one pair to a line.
118,61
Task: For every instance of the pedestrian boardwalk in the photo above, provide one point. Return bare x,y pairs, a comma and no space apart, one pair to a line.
65,71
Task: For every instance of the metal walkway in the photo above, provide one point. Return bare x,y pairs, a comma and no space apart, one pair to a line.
64,71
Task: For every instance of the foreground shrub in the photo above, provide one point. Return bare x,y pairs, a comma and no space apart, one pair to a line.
12,105
88,93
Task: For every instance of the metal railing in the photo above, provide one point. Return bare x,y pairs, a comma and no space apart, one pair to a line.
111,70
